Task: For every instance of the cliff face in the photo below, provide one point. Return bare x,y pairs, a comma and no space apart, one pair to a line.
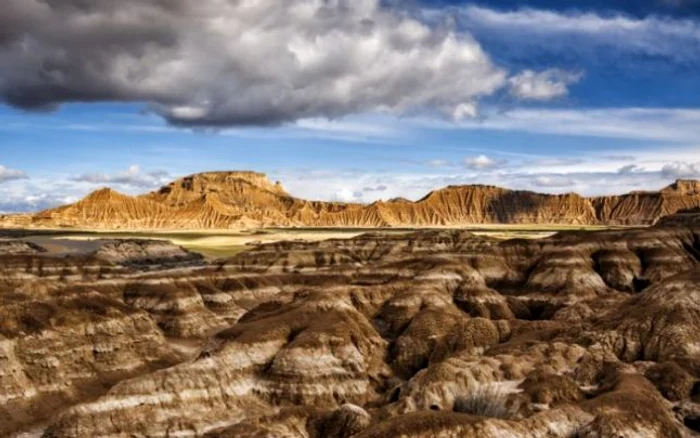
248,199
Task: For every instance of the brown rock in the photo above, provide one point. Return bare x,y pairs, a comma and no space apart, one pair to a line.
248,199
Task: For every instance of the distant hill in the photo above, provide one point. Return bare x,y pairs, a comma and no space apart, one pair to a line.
218,200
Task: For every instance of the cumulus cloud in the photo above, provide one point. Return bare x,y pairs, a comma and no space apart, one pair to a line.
7,174
215,63
130,177
546,85
482,162
681,170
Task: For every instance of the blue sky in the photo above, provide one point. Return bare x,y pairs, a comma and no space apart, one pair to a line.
589,96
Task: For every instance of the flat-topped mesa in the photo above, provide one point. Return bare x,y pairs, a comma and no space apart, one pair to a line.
684,187
208,182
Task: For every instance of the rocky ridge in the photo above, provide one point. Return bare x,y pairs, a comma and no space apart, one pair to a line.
222,200
688,217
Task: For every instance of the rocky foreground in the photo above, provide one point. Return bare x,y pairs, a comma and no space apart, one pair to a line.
429,334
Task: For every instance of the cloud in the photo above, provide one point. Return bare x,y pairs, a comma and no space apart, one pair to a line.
465,111
130,177
33,203
215,63
437,163
7,174
619,157
379,188
546,85
557,162
482,162
564,32
630,168
680,170
553,181
347,195
665,124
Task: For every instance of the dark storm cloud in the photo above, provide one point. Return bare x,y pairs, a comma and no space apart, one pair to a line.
233,62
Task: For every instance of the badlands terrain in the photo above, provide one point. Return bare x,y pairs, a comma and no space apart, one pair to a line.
390,333
432,333
235,200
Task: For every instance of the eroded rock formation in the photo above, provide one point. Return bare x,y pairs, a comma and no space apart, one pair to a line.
687,217
427,334
247,199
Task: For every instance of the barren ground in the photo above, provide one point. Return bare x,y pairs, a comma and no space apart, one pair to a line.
431,333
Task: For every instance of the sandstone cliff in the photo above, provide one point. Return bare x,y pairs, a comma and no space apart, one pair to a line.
220,200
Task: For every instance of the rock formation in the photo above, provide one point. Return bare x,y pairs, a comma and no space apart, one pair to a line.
222,200
688,217
424,334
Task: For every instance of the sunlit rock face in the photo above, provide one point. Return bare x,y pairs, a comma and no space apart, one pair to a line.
239,199
425,334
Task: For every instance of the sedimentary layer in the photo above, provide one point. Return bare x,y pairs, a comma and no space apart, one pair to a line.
425,334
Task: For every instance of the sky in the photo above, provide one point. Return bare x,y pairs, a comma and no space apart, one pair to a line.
348,100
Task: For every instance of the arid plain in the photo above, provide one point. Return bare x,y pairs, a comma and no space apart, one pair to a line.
571,327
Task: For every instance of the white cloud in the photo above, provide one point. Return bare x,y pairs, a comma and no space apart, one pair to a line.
437,163
544,30
554,181
664,124
347,195
681,170
546,85
33,203
347,127
481,162
465,111
130,177
7,174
